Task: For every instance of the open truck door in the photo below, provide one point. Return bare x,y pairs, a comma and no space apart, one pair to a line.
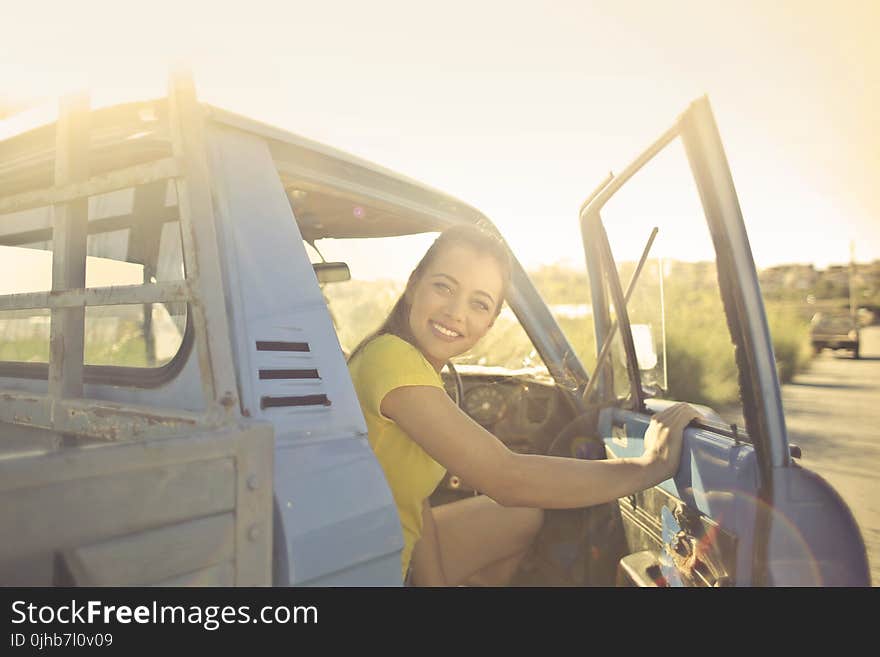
688,323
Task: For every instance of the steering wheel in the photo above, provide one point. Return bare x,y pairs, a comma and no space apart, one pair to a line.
578,439
458,397
597,530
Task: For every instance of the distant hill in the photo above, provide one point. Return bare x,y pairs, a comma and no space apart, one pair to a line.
561,284
798,282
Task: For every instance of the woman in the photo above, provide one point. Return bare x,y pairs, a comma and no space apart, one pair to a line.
451,300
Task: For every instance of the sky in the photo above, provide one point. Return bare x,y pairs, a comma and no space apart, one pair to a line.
518,108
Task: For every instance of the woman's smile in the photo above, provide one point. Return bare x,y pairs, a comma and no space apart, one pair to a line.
444,332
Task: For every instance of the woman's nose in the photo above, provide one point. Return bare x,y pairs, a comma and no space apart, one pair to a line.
455,309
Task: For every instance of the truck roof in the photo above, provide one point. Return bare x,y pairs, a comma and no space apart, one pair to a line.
317,177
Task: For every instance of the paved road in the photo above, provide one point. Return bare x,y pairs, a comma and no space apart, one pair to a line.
833,413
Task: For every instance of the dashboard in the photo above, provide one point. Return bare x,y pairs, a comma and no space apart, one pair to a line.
518,412
525,412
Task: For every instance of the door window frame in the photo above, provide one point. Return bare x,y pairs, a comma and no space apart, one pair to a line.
743,305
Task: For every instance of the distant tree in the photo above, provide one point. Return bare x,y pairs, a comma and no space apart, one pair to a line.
559,284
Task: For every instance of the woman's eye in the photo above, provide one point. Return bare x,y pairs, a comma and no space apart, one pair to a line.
443,287
481,305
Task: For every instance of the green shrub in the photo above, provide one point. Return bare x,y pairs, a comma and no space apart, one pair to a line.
790,334
700,360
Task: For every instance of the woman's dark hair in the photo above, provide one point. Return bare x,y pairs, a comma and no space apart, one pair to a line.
479,239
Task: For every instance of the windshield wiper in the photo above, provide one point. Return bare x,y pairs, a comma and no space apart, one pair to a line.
606,345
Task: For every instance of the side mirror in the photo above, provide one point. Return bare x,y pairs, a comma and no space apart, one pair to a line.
643,341
332,272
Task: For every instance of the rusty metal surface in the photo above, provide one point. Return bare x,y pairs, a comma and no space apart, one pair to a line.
69,237
201,253
63,192
27,409
108,421
704,552
79,498
118,422
63,409
99,296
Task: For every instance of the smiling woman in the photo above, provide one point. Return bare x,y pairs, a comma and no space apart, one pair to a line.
451,300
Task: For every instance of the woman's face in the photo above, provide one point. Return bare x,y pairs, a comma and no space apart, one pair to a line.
453,304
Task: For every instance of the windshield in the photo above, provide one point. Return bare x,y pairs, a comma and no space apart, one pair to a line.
380,267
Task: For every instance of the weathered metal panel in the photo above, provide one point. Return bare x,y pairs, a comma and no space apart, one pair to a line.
122,422
321,447
110,421
69,513
66,191
201,253
354,530
112,502
99,296
119,458
253,509
158,554
254,216
26,408
69,235
220,575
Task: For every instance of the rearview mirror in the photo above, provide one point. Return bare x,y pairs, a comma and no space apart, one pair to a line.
332,272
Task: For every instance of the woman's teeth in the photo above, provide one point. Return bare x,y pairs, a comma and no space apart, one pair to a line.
445,331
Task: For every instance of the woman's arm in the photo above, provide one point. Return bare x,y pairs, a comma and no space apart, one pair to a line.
426,558
461,445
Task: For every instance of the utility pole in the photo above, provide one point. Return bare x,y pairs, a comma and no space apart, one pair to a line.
852,279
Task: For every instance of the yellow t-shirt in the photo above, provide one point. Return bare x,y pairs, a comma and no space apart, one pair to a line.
385,363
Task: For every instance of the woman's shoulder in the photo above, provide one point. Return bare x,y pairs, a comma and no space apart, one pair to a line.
386,346
387,362
389,352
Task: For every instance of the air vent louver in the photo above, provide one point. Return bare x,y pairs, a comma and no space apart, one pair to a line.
289,374
282,346
300,400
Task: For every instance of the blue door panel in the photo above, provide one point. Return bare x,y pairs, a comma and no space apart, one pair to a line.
716,477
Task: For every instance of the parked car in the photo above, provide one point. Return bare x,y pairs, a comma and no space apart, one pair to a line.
834,332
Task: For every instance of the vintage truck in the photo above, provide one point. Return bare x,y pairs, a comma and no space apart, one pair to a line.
176,409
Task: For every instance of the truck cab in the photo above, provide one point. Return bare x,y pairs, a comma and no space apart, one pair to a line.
176,408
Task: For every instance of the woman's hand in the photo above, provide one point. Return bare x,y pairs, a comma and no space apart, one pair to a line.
665,436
